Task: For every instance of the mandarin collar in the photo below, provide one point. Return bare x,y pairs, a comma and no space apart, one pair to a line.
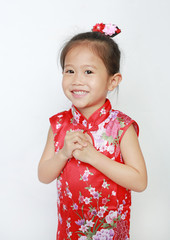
90,124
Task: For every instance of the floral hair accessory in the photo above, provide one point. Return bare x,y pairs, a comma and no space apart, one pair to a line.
107,29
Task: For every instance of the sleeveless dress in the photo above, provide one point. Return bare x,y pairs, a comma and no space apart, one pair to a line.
90,205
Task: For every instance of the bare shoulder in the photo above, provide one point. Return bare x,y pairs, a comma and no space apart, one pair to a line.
49,149
130,137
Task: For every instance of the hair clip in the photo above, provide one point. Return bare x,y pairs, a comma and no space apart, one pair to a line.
107,29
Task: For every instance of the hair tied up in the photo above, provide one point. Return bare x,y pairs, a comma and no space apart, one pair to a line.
110,29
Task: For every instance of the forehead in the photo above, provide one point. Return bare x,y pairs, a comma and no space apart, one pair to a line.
82,52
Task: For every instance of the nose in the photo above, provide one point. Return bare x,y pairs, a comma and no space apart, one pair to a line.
77,79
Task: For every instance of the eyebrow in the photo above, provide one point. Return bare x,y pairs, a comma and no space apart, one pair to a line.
86,65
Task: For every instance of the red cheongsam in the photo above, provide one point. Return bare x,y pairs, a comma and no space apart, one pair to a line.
90,205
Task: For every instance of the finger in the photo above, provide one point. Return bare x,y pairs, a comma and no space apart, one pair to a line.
79,134
80,141
76,137
78,146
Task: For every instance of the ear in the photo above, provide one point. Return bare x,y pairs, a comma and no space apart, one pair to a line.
114,81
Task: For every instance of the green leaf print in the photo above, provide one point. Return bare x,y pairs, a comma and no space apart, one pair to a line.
116,141
94,231
121,122
105,225
120,133
100,223
109,139
89,236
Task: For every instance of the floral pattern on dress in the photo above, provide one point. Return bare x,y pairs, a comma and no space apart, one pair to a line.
90,205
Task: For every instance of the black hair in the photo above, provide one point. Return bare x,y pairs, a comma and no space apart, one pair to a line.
104,46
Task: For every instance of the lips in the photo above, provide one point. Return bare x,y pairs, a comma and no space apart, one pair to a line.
79,93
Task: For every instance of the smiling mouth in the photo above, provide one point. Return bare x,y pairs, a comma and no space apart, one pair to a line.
80,93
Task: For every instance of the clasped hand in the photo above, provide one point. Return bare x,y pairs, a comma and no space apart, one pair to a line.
77,145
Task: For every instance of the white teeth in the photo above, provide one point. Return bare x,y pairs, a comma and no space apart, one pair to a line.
79,92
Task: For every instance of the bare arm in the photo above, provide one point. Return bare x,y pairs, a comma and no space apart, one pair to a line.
51,163
132,174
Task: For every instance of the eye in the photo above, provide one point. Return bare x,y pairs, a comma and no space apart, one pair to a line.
69,71
88,72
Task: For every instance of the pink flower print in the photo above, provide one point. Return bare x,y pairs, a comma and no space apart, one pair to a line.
121,207
68,225
89,223
80,222
83,228
82,238
77,117
58,125
75,206
113,193
85,175
69,234
104,234
87,172
123,217
88,215
68,193
105,184
109,218
94,212
81,199
111,148
92,190
112,128
103,209
104,201
100,214
96,195
110,29
100,143
102,111
67,229
103,148
85,178
87,200
84,122
60,218
64,207
73,121
113,214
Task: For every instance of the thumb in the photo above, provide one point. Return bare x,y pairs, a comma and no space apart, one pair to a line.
88,138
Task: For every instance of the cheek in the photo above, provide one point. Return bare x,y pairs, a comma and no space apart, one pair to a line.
97,83
64,83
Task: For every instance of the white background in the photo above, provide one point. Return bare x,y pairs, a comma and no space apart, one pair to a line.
31,35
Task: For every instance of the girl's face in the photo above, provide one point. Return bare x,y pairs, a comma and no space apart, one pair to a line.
85,80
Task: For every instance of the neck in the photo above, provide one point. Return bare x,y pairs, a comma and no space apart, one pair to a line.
87,112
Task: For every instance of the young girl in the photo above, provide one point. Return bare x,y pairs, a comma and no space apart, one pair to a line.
93,150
